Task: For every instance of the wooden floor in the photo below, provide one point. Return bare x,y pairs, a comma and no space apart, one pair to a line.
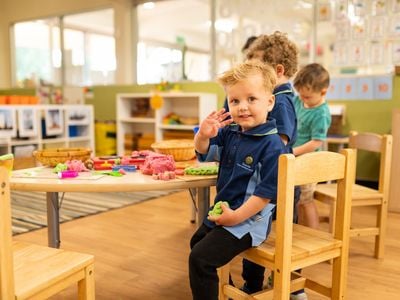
141,253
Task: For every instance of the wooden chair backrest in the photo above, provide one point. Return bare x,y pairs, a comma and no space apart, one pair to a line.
6,256
382,144
312,168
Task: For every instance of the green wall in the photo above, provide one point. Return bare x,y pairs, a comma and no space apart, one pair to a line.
370,116
104,97
19,91
361,115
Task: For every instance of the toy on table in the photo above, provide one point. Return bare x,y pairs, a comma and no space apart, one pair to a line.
70,165
109,162
166,175
127,168
67,174
202,170
89,164
118,173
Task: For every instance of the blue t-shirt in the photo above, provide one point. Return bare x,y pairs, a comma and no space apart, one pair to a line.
248,166
283,112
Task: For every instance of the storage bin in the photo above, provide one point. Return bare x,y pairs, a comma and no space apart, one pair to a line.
105,138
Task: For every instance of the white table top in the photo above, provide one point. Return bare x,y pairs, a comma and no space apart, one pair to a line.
43,180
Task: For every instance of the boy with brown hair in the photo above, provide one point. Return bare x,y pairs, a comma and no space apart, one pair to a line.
282,54
314,119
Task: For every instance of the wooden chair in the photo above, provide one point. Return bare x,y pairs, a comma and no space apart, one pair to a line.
29,271
291,247
364,196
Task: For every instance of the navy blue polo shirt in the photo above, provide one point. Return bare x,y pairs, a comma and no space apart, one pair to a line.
284,112
248,166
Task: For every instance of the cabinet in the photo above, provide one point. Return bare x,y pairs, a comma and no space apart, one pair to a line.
394,187
24,128
136,118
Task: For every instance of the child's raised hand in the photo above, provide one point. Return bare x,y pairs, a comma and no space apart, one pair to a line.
210,125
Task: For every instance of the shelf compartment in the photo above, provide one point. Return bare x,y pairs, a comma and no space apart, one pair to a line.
176,127
138,120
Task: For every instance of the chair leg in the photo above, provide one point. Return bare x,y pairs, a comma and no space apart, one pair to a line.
223,275
86,289
339,275
281,285
332,214
381,224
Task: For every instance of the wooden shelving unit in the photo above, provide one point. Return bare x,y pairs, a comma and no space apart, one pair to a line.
24,128
135,115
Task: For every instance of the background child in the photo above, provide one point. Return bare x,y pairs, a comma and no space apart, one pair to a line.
314,119
248,151
282,54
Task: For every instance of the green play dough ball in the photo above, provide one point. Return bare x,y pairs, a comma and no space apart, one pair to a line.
217,209
60,167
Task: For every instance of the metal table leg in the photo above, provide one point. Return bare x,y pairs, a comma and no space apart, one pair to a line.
193,196
203,203
53,220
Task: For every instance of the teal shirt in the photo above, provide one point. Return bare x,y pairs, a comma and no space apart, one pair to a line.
312,123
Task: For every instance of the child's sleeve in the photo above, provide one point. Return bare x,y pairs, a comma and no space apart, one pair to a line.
214,150
286,123
267,187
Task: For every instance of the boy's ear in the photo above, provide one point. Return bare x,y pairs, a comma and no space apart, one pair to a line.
280,70
323,92
271,103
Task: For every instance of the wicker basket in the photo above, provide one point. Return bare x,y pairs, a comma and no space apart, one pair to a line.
181,150
52,157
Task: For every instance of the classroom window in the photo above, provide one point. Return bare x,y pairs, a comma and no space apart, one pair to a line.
89,50
37,52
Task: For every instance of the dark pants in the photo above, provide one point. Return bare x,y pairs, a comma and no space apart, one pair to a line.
253,274
211,248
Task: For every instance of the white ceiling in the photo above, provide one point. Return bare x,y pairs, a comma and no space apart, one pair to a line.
169,19
190,19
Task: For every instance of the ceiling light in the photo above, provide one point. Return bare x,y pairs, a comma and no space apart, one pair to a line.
224,25
148,5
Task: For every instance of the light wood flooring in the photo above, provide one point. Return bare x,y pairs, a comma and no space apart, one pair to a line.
141,253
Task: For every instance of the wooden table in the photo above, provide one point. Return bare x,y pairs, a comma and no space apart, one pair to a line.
43,180
339,140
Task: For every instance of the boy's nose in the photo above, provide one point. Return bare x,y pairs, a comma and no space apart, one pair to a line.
243,106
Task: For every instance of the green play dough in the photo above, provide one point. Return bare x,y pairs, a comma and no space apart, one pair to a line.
60,167
204,170
217,209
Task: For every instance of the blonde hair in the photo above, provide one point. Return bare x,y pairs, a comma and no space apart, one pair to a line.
246,69
276,49
312,76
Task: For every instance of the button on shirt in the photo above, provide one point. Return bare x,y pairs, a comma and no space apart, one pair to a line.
248,166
